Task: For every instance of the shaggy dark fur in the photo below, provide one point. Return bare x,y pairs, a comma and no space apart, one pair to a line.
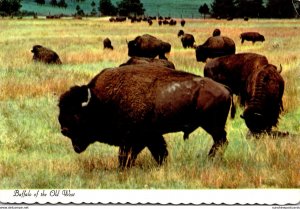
146,60
43,54
215,46
258,83
134,105
148,46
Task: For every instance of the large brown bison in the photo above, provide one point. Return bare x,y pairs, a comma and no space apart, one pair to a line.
251,36
258,83
134,105
148,46
146,60
43,54
215,46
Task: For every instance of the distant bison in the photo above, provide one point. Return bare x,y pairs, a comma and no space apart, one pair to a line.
215,46
216,32
148,46
133,106
107,44
182,22
187,40
146,60
251,36
43,54
258,83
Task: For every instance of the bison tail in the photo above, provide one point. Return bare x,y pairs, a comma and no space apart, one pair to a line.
233,109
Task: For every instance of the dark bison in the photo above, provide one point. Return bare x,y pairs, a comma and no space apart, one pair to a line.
43,54
182,22
251,36
148,46
215,46
216,32
107,44
146,60
187,40
134,105
258,83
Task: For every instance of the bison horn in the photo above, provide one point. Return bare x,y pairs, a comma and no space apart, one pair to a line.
280,69
84,104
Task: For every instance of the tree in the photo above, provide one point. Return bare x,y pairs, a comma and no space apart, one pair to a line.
62,4
40,2
250,8
106,8
203,9
10,7
93,12
280,9
223,8
53,3
130,8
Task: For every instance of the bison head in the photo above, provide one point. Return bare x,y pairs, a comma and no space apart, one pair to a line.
264,99
134,47
72,116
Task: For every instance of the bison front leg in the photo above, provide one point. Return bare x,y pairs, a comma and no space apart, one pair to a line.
158,148
220,143
128,155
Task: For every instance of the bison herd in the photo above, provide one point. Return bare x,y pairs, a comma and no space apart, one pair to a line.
132,106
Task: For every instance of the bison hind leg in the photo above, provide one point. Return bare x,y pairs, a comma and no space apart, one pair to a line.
158,148
128,155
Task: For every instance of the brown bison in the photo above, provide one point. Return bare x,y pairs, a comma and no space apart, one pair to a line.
133,106
258,83
146,60
216,32
215,46
148,46
43,54
251,36
107,44
187,40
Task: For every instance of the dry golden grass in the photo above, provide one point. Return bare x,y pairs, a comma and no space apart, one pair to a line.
35,155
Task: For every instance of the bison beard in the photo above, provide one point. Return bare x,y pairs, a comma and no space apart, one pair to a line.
133,106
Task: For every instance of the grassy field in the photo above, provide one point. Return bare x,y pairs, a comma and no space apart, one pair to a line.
35,155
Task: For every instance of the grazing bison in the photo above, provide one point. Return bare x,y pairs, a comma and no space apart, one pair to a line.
258,83
146,60
251,36
187,40
43,54
215,46
107,44
148,46
133,106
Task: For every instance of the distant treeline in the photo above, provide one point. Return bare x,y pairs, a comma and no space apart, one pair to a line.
217,9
